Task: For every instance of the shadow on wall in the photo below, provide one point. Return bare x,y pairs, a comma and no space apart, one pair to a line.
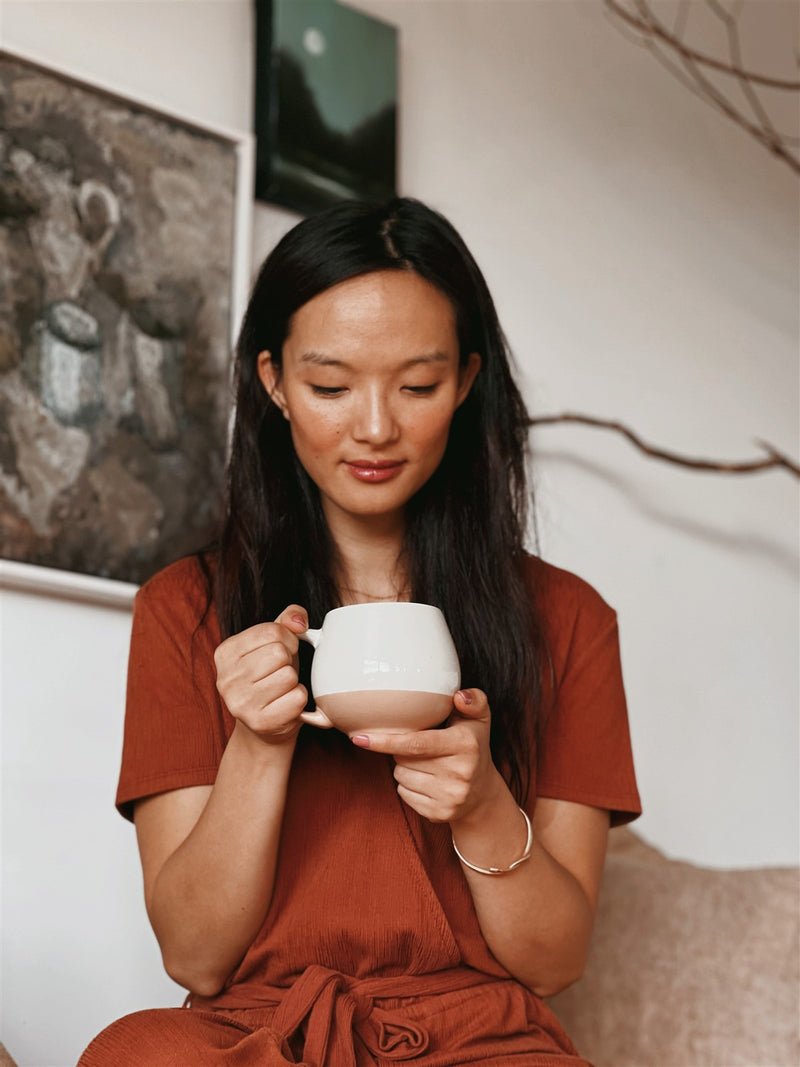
756,544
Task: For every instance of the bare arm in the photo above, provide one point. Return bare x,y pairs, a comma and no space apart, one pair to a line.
209,853
537,919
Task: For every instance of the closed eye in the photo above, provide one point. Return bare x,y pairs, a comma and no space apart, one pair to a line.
327,390
421,390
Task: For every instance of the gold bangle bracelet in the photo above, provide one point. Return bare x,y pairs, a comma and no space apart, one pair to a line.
501,870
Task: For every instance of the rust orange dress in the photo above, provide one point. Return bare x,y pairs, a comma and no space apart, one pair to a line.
371,951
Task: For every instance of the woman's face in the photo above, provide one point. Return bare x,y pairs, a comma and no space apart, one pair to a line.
369,383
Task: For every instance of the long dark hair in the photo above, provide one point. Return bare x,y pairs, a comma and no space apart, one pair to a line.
465,529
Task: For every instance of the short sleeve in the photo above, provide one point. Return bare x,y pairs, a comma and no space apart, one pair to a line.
175,729
585,752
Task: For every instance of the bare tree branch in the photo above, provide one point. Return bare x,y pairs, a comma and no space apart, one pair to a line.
773,458
637,21
649,25
665,44
735,48
719,100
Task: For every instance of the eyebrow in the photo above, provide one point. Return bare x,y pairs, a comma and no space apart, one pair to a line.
320,359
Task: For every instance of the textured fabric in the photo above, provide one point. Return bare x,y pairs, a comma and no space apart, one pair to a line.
371,950
585,754
5,1058
341,1035
690,967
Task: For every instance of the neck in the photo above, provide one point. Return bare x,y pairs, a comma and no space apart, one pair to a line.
369,566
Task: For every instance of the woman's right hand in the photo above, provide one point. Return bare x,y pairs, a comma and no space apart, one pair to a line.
209,853
257,676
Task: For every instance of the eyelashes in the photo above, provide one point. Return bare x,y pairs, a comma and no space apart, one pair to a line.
335,390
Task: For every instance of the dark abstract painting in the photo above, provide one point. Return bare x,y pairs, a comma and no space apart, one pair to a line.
117,231
326,104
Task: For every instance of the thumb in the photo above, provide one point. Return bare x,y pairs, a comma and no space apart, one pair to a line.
472,704
294,618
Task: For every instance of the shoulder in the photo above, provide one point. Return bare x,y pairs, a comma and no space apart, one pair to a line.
584,755
573,615
187,579
180,592
560,594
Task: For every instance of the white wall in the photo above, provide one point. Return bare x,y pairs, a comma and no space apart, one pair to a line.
77,949
643,255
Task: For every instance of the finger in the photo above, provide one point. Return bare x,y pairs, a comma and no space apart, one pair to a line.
472,704
283,712
253,638
426,806
294,618
257,696
275,685
266,660
418,781
413,745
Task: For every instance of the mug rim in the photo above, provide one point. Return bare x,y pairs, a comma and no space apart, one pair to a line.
373,604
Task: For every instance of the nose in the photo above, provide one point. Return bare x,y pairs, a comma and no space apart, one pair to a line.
375,422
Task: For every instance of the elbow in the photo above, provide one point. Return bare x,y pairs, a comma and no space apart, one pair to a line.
203,982
561,974
551,985
563,965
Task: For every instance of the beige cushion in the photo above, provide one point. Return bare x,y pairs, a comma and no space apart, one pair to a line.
689,967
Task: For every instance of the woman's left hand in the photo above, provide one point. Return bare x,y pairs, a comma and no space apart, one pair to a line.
447,775
444,774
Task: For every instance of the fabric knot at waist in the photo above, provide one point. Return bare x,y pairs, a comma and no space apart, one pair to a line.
340,1019
329,1019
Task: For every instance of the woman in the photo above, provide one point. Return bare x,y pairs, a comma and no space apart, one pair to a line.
329,901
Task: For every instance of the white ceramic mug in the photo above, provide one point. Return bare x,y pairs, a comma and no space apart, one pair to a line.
389,666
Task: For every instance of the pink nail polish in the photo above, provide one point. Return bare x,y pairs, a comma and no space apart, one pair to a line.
465,695
362,740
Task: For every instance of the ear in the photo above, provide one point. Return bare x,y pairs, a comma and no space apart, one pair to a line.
270,377
466,376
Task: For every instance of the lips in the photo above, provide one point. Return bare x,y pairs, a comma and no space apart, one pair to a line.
375,470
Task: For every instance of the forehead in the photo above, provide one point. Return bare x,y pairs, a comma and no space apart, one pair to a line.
383,305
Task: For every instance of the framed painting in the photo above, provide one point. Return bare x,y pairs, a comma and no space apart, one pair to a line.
325,104
124,254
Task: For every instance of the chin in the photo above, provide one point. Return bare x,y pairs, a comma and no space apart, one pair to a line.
371,509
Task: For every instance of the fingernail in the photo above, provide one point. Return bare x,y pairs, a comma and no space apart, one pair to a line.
299,619
362,740
465,695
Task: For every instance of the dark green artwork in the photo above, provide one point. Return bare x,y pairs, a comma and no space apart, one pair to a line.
326,104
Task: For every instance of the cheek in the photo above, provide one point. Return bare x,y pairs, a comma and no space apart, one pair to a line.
434,427
316,426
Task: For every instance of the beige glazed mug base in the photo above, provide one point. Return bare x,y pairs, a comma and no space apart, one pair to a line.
395,711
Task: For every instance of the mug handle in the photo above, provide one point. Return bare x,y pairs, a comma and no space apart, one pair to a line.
311,637
315,717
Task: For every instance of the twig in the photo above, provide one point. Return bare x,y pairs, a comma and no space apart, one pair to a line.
774,458
651,26
734,46
639,17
